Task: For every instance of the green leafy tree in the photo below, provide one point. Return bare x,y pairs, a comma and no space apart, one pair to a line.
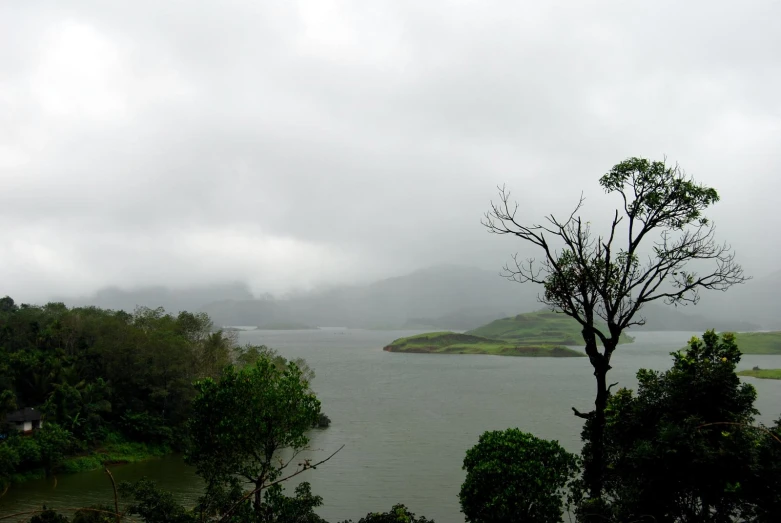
240,425
512,476
195,327
397,514
54,443
9,461
296,509
27,449
48,516
7,396
249,354
154,505
80,408
764,488
95,514
646,254
215,354
683,449
7,305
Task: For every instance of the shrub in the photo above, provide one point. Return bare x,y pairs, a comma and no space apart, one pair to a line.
513,476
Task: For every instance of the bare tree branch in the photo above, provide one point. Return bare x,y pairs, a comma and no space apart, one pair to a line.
581,414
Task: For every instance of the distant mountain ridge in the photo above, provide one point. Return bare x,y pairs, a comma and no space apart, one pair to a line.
444,297
758,300
667,318
172,300
448,296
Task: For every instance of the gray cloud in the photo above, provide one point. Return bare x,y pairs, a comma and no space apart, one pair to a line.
292,144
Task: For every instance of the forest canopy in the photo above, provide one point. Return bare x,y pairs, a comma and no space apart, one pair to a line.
101,378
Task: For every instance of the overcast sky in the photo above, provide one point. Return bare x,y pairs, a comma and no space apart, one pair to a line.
298,143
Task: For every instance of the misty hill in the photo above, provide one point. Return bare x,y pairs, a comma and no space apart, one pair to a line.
450,296
667,318
462,319
757,301
172,300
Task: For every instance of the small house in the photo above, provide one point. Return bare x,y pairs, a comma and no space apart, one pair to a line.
25,420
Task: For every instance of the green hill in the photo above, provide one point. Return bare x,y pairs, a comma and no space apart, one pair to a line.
759,342
541,327
454,343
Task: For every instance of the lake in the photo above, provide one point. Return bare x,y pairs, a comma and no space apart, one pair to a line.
406,420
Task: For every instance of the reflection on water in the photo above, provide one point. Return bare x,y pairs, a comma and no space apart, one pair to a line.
406,420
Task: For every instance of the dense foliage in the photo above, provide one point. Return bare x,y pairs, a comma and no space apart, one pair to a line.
397,514
513,476
684,448
103,379
241,423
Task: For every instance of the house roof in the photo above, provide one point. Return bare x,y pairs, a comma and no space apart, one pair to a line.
25,414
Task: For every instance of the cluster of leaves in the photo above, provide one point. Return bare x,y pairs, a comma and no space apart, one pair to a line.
514,476
397,514
43,451
240,423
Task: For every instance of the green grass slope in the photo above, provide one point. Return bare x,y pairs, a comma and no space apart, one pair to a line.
766,374
454,343
759,342
541,327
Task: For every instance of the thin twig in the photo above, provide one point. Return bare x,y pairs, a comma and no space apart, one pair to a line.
116,498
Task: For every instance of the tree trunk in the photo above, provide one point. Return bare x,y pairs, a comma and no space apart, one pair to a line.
596,483
594,458
258,484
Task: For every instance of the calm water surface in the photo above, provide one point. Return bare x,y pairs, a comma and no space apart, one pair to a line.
406,420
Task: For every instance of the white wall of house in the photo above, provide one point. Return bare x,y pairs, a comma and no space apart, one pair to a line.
27,426
24,427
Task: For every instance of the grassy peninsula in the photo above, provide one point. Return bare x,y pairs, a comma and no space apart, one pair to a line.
454,343
540,327
765,374
759,342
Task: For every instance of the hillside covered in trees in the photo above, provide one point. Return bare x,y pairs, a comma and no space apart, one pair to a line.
109,385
